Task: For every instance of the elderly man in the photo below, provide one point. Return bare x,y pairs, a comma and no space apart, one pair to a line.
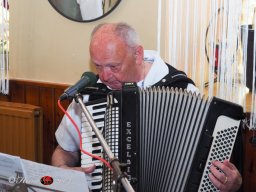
118,58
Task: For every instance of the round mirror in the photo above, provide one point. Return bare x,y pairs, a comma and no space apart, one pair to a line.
84,10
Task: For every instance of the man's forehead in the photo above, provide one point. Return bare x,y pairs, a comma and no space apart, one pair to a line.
105,36
107,41
108,51
105,30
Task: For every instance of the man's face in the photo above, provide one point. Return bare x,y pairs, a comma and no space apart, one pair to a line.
114,61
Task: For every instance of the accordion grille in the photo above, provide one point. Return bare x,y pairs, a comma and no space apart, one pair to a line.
171,123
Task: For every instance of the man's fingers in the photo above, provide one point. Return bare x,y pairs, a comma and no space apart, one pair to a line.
89,169
86,170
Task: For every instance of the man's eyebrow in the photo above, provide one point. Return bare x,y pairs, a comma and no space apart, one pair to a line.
111,64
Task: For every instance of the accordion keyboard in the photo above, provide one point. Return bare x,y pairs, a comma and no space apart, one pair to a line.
91,144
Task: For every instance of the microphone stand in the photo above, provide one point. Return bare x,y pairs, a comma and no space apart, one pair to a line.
113,161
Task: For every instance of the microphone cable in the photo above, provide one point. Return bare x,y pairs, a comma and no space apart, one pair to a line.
80,137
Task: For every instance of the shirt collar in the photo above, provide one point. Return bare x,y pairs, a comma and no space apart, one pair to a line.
158,70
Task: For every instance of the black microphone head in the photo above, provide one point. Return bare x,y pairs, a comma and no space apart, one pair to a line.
88,79
92,78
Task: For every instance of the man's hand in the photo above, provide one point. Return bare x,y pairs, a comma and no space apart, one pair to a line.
69,160
229,180
86,170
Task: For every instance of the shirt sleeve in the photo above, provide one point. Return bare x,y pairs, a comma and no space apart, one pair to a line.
192,88
66,134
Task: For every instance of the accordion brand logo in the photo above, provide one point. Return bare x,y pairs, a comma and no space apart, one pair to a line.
46,180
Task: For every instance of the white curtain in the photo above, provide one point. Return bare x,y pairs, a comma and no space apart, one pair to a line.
4,46
212,42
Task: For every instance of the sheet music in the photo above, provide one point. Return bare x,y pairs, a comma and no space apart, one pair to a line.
17,174
10,168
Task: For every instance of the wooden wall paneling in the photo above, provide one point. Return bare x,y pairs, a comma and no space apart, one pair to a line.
4,97
58,114
17,91
47,103
32,95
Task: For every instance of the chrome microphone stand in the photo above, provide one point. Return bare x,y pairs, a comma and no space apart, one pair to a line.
113,161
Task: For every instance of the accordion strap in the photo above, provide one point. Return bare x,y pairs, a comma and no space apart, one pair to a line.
175,78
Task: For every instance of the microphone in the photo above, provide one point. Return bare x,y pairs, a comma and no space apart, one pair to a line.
87,79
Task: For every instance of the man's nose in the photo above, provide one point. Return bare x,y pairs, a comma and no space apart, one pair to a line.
105,73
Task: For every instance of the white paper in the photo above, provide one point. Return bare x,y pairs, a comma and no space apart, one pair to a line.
30,174
10,171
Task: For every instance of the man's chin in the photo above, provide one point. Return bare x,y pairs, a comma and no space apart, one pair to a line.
115,87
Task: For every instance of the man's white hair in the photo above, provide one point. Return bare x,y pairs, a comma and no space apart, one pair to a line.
122,30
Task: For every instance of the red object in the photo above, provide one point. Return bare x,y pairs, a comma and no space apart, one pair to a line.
216,57
46,180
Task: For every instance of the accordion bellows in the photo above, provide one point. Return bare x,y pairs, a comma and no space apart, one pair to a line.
167,138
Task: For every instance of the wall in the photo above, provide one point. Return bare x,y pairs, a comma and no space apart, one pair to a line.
45,46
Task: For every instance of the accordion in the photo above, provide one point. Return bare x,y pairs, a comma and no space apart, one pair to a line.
167,138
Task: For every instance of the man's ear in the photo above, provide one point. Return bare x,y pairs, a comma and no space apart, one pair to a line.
139,54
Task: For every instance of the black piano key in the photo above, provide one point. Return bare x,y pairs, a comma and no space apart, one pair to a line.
96,183
96,151
96,190
94,136
94,159
98,167
99,120
96,174
98,113
99,106
96,145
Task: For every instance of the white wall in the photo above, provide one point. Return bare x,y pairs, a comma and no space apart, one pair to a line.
45,46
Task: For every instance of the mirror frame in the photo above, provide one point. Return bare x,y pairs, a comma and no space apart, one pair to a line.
84,21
